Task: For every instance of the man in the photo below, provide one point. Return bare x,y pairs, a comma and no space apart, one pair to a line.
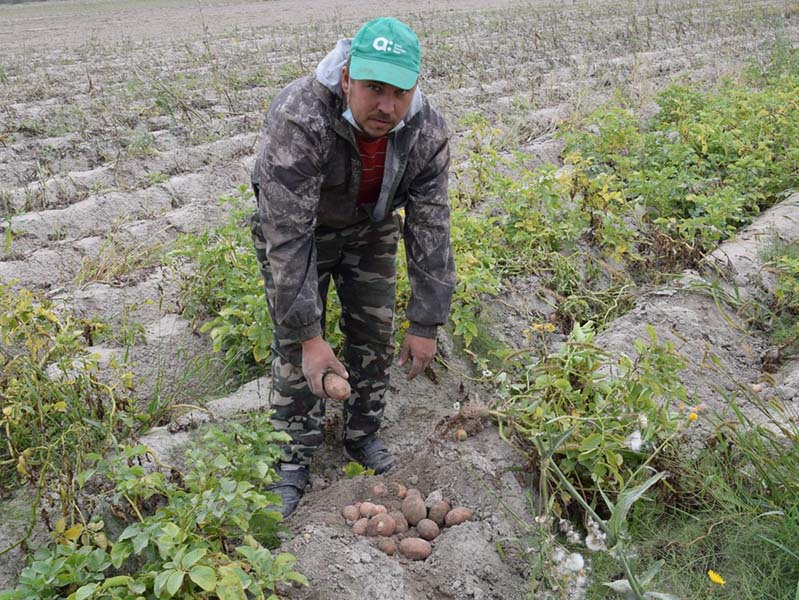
342,151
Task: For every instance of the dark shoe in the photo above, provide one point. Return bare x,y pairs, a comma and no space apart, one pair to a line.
290,488
371,453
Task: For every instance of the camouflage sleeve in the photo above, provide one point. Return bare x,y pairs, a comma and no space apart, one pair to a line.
289,174
431,267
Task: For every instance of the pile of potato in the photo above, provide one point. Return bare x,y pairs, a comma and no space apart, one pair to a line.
395,513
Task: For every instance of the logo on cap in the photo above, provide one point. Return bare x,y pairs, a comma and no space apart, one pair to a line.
382,44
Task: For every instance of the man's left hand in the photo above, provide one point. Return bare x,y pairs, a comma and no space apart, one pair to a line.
421,349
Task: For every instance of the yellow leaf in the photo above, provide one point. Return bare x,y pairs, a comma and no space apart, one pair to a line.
73,532
60,406
60,525
22,465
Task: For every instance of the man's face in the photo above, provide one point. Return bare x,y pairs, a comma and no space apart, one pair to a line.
376,106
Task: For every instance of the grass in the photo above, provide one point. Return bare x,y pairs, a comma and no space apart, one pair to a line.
755,554
782,263
117,263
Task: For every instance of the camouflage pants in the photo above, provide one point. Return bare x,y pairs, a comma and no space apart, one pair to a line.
360,260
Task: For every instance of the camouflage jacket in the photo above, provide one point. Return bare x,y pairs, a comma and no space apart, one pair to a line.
308,173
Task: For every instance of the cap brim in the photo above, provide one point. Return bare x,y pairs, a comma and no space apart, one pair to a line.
378,70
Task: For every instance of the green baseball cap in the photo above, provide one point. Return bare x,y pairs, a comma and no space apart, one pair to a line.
386,50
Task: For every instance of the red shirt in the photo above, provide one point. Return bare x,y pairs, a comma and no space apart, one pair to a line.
373,158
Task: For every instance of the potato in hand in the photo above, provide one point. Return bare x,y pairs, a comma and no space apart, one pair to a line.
335,386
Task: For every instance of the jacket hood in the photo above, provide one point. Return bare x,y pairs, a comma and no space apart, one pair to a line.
328,73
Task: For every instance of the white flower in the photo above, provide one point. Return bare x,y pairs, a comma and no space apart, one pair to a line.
558,554
634,441
595,543
488,373
573,537
564,525
574,562
456,406
643,421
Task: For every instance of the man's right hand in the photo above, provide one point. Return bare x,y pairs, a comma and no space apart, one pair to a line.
317,359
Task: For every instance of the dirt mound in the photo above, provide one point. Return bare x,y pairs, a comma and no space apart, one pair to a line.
465,563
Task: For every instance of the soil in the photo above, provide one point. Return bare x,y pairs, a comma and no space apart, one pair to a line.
122,123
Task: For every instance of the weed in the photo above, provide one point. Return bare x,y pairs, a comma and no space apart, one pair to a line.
209,538
782,261
616,409
116,263
354,469
156,177
140,143
54,407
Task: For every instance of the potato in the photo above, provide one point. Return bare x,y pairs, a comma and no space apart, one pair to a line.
458,515
367,509
379,490
414,492
400,522
359,528
415,548
335,386
382,525
414,509
387,545
393,504
351,512
461,435
427,529
438,512
379,509
397,489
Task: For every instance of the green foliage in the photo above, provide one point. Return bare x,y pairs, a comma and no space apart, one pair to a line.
353,469
53,406
226,283
702,167
209,538
783,261
531,225
140,143
615,409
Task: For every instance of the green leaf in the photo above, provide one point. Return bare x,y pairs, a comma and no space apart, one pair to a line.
221,461
230,588
188,561
140,542
557,443
653,570
129,532
591,442
563,384
297,578
119,553
625,501
203,576
174,582
84,592
160,581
